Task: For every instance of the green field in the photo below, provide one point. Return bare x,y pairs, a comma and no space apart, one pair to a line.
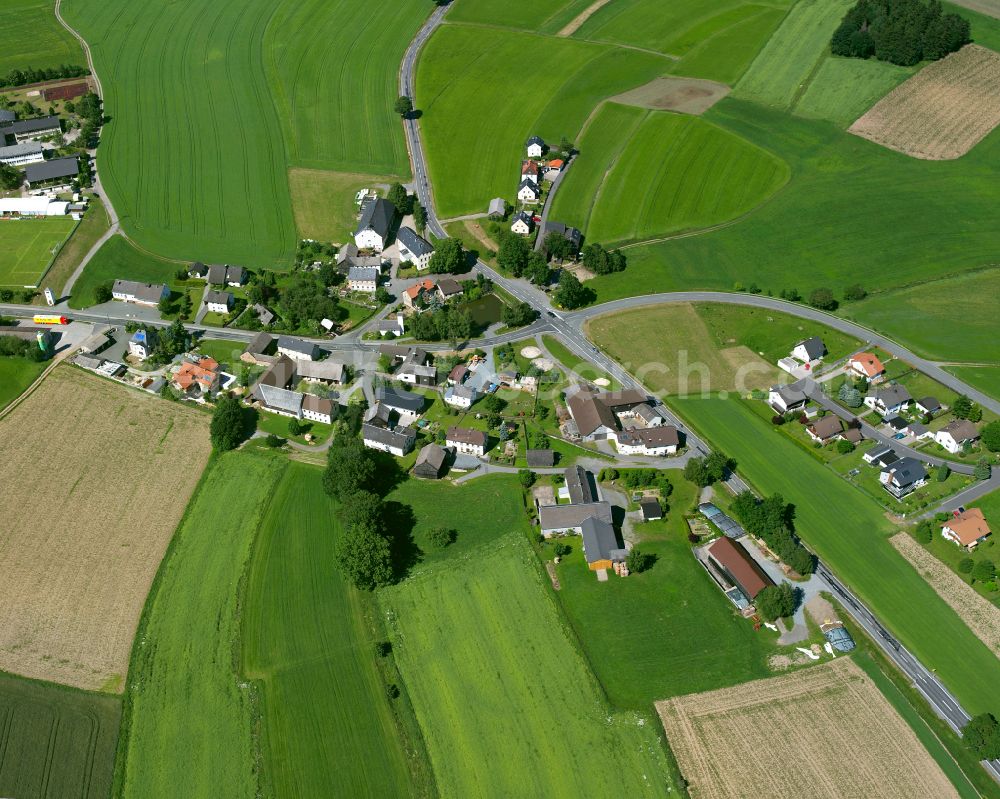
671,173
546,16
924,316
33,37
506,703
474,126
306,641
119,260
28,246
324,202
197,165
188,714
849,532
985,378
843,89
778,73
55,741
715,40
95,224
682,635
16,374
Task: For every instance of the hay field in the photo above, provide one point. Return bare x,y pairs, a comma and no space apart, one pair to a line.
943,111
95,480
982,616
826,731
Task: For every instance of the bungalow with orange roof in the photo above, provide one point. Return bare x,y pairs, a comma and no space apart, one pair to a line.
867,365
967,529
197,379
413,293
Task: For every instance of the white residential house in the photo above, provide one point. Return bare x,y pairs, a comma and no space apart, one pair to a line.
460,396
809,350
317,409
363,278
528,192
373,228
530,170
394,327
142,343
785,399
658,441
218,301
889,400
535,147
954,436
523,224
414,248
467,441
139,293
297,349
397,441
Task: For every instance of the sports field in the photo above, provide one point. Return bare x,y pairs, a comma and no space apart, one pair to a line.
853,540
32,36
682,635
817,720
672,172
506,703
327,725
197,165
55,741
95,479
188,712
28,246
474,126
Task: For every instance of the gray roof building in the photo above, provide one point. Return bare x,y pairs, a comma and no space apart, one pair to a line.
363,274
571,517
540,458
892,396
264,315
143,292
321,405
17,151
467,435
651,510
297,345
213,297
814,347
400,438
398,399
498,207
331,371
790,395
280,399
260,344
571,234
578,485
600,542
379,415
217,274
6,116
430,462
25,127
198,269
52,170
377,216
414,243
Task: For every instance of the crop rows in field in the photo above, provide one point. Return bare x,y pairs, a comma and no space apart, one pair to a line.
33,37
830,733
94,483
506,703
662,174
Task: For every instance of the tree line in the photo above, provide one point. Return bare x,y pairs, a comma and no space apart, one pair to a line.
902,32
771,519
19,77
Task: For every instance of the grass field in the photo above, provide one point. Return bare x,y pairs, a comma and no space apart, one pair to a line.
306,642
842,89
505,701
469,113
817,718
713,40
257,87
32,37
853,541
28,246
93,225
16,374
324,202
786,62
546,15
55,741
118,259
682,635
673,172
188,714
923,316
118,469
985,378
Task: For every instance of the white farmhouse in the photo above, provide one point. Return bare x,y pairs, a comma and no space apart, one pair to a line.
373,229
535,147
414,248
528,192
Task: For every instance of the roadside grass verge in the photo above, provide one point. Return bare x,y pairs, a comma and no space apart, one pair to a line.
93,225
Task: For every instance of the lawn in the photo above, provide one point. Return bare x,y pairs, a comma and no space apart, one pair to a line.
55,741
197,166
923,316
188,714
323,202
985,378
784,65
32,37
27,247
278,425
468,110
225,351
93,225
507,705
703,175
578,365
682,634
119,260
853,541
714,40
16,374
306,641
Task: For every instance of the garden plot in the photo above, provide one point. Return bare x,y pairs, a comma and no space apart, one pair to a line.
829,733
943,111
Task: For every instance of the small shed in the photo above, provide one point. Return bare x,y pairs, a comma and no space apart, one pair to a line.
651,510
540,458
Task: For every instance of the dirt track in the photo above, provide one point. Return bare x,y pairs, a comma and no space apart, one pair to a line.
577,22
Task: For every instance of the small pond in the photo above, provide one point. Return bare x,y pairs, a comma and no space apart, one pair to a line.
486,310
